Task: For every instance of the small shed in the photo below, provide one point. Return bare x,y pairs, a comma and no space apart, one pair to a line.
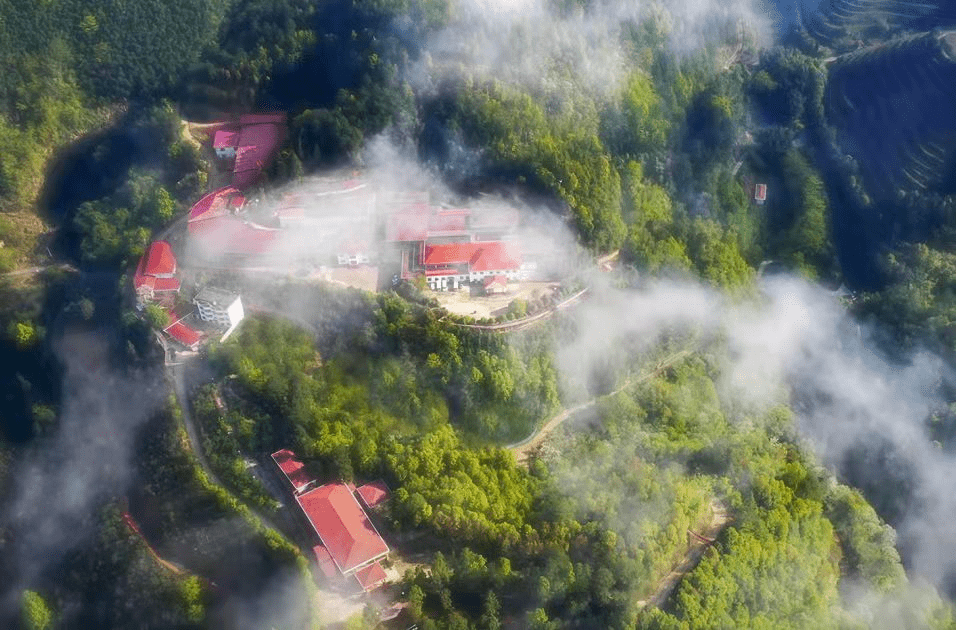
760,193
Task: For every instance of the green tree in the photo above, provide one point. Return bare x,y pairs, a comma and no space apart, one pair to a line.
35,613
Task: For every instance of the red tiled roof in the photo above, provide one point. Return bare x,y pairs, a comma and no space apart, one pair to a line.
292,468
448,222
159,260
247,178
230,235
374,494
225,138
482,256
325,562
406,226
158,285
216,204
183,334
760,193
342,526
371,577
256,143
496,256
496,280
450,253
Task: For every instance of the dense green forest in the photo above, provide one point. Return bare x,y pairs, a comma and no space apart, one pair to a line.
661,165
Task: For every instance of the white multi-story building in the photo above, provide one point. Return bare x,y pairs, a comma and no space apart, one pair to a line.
222,307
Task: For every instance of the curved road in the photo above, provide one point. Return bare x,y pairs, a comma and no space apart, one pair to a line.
525,447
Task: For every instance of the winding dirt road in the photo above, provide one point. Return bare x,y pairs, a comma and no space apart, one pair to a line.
523,449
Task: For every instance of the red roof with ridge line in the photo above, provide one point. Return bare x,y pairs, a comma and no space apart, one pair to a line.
159,260
292,468
325,562
371,577
183,334
216,204
342,526
374,494
225,139
482,256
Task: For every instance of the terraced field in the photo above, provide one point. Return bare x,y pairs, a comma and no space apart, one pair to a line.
842,23
894,108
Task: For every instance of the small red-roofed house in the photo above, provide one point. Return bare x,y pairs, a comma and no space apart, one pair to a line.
760,193
495,285
371,577
183,334
373,494
293,470
345,530
156,273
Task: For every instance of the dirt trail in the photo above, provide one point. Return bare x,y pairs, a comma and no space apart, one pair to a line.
698,543
525,447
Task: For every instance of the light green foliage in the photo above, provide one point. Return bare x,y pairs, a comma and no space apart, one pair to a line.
868,544
652,242
565,158
156,317
716,255
35,613
25,334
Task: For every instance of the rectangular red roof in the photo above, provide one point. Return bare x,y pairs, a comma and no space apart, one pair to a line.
371,577
481,256
293,469
218,203
325,562
159,260
225,139
342,526
406,226
230,235
183,334
450,253
374,494
496,256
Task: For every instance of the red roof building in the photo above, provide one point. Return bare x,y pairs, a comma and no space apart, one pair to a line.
155,272
371,576
760,193
232,236
160,261
222,202
325,562
293,470
373,494
343,528
182,333
225,139
448,265
496,284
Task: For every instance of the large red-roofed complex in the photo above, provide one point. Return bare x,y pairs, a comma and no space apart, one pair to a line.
449,265
343,527
350,545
